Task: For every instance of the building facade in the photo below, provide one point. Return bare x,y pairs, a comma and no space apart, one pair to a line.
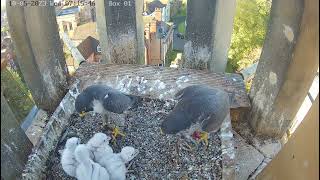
70,18
158,40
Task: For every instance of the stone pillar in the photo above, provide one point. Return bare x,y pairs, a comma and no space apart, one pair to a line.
208,34
287,66
40,55
223,27
15,145
120,28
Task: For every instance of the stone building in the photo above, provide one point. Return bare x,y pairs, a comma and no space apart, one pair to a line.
158,9
69,18
158,40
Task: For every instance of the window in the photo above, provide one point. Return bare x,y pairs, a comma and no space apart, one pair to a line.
70,27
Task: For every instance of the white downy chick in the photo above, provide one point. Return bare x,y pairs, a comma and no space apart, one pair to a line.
87,169
128,153
99,146
115,163
68,161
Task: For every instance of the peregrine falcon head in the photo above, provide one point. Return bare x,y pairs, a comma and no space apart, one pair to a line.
173,124
72,143
102,99
84,103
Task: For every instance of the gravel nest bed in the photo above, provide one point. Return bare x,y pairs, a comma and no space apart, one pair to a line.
160,156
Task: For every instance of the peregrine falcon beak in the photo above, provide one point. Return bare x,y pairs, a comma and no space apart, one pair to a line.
82,114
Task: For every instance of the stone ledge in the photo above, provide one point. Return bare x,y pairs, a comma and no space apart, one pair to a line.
36,166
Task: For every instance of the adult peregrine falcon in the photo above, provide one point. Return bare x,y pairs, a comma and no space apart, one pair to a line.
103,99
200,109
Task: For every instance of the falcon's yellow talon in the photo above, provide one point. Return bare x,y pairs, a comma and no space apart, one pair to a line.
116,132
161,132
82,114
204,137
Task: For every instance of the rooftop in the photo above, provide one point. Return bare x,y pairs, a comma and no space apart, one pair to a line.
70,10
153,5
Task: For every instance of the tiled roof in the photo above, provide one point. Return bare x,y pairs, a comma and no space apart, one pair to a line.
153,5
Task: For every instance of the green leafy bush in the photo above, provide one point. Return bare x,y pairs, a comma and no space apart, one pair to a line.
182,28
16,93
250,25
171,56
183,10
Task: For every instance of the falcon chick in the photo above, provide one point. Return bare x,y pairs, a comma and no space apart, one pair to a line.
99,146
103,99
68,161
199,111
87,168
115,163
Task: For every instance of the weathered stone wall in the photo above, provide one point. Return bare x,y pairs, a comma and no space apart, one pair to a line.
209,27
199,32
287,66
15,145
121,29
39,51
36,165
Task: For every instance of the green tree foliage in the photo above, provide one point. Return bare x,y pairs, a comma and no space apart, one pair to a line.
16,93
4,29
250,25
171,56
182,28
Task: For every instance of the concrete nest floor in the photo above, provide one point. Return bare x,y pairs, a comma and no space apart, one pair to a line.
160,156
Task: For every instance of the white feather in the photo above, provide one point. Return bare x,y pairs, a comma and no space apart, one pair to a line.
98,107
99,146
87,169
115,163
68,161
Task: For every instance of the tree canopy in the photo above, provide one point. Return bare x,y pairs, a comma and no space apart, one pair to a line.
249,30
